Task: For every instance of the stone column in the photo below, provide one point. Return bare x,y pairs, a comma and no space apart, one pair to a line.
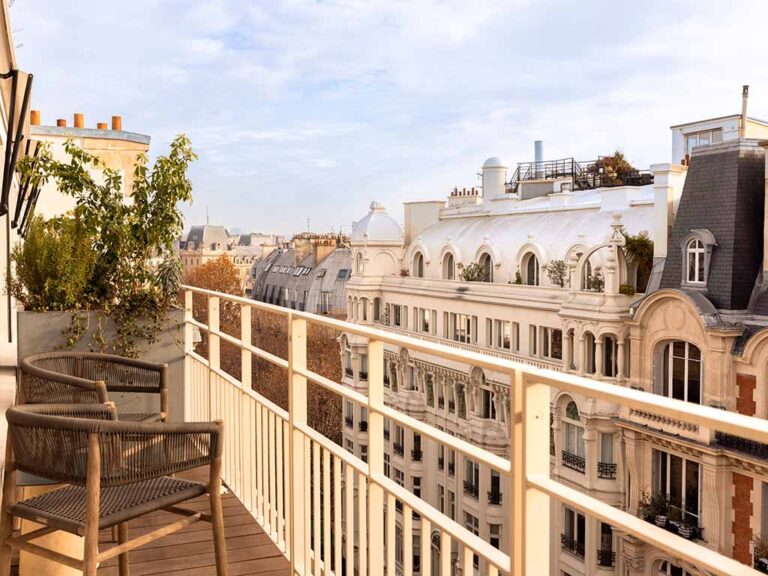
620,358
598,356
582,355
567,342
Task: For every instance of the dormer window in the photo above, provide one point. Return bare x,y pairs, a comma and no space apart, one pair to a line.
418,265
697,250
486,264
531,269
695,253
449,266
359,263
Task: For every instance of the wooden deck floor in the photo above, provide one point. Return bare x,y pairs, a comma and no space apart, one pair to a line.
189,552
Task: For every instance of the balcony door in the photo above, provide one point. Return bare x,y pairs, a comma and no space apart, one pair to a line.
679,479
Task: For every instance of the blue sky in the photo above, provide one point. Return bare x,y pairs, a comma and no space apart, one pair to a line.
311,109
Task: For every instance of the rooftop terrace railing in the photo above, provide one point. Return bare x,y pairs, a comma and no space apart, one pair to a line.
329,511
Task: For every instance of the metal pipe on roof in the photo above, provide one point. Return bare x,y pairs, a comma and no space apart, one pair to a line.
744,101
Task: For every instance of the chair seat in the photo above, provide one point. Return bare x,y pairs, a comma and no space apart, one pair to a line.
64,509
140,417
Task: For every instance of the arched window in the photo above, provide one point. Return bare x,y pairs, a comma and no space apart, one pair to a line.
610,356
376,309
359,263
418,265
669,569
573,446
449,267
486,263
681,371
695,253
530,269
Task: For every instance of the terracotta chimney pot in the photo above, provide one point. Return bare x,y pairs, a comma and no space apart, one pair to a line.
102,126
61,122
34,117
117,123
79,120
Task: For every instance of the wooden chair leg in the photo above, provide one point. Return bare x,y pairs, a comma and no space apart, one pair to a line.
122,538
92,495
219,540
8,499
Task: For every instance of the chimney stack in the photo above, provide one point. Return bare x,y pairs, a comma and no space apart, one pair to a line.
538,157
117,123
34,117
61,122
101,126
744,101
79,121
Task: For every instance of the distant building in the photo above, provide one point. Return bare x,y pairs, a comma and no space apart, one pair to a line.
309,273
206,243
117,148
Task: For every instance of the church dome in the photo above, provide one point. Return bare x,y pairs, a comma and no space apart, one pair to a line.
377,227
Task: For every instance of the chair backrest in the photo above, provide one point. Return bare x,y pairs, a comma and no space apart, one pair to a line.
53,379
51,440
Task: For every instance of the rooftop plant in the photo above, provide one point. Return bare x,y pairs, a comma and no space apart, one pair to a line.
474,272
557,272
131,273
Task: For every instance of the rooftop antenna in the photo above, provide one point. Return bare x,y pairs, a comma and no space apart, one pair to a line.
744,100
207,216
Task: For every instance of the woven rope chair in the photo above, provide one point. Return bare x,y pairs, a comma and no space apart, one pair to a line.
115,471
75,377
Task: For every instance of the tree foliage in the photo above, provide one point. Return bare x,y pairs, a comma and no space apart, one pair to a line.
613,169
474,272
557,272
639,252
125,237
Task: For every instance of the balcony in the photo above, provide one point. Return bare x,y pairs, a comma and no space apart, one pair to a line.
440,462
573,462
398,448
349,422
348,372
743,445
606,471
572,546
471,489
291,479
416,455
606,558
363,375
362,426
494,497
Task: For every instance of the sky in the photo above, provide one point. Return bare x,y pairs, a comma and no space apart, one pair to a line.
305,109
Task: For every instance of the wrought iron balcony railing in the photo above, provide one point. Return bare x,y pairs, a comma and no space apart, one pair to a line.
471,489
494,497
606,470
363,374
348,372
362,426
744,445
573,462
291,478
398,448
572,546
606,558
349,422
416,455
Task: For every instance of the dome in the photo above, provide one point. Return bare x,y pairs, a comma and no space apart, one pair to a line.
494,162
377,227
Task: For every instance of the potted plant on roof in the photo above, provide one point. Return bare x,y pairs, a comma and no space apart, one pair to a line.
654,508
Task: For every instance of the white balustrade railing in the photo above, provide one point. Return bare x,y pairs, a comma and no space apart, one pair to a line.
331,513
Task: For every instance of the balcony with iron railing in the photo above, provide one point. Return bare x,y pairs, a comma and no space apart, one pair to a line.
494,497
416,455
398,448
606,470
573,461
363,426
328,512
606,558
471,489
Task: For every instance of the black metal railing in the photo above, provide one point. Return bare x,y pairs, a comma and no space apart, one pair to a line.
471,489
739,444
416,455
572,546
363,374
606,558
349,422
761,565
686,530
386,434
363,426
440,462
584,175
398,448
494,497
606,470
348,372
451,468
573,462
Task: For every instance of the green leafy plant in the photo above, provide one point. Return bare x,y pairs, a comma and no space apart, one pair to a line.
126,238
760,546
54,267
557,272
639,252
627,289
474,272
595,282
613,169
518,278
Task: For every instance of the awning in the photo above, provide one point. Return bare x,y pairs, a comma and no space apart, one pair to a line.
16,89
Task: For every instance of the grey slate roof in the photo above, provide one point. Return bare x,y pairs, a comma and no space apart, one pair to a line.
207,237
724,193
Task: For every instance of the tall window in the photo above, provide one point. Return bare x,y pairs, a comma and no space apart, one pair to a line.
359,263
531,269
610,356
486,263
696,252
488,408
376,309
461,327
449,267
552,343
574,530
679,480
681,371
574,430
418,265
503,334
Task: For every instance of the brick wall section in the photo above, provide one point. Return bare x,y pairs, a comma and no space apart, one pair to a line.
742,513
745,394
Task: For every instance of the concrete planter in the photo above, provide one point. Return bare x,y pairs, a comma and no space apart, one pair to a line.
44,332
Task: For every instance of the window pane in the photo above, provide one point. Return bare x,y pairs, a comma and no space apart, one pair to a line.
717,136
678,378
676,481
690,142
691,489
678,349
606,448
694,381
703,138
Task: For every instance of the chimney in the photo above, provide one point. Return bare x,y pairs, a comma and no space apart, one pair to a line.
744,101
321,249
79,121
34,117
102,126
494,177
61,122
117,123
538,157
